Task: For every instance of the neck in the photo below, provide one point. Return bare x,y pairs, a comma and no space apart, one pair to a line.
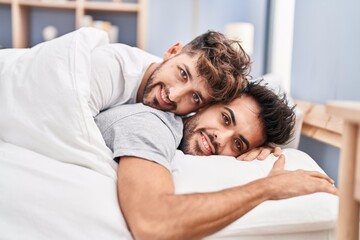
150,70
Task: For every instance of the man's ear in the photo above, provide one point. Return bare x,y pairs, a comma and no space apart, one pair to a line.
172,51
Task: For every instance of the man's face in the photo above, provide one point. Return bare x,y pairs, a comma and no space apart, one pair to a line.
224,129
175,86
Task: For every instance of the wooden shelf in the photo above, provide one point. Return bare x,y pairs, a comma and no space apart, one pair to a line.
5,2
112,6
19,15
48,4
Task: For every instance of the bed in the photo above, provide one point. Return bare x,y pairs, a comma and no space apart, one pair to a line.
57,178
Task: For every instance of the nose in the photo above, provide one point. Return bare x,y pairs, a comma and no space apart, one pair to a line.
177,93
223,137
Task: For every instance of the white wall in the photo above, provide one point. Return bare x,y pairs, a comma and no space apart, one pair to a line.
325,62
281,40
171,21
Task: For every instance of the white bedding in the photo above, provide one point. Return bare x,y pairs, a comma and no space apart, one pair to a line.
43,198
57,178
309,213
44,93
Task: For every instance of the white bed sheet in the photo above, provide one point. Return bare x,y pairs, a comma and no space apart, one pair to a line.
328,234
43,198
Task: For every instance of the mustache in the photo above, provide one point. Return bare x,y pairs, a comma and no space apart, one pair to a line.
167,92
151,85
212,140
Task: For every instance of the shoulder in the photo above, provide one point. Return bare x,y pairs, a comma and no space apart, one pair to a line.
133,52
142,117
123,49
130,59
141,131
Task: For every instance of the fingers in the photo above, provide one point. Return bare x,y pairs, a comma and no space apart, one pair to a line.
279,164
327,183
322,176
250,155
333,190
241,157
265,152
277,151
321,182
330,188
260,153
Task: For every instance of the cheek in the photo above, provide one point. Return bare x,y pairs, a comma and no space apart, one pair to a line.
184,108
210,120
228,150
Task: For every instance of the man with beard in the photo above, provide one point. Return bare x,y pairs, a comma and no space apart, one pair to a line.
144,141
210,68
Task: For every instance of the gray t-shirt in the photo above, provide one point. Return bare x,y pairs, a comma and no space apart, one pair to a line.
141,131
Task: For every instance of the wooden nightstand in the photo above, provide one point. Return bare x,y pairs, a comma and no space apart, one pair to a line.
349,169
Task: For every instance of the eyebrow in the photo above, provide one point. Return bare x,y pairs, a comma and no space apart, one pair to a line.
191,79
188,71
232,115
245,141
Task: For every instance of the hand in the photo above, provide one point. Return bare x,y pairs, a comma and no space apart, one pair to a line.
288,184
260,153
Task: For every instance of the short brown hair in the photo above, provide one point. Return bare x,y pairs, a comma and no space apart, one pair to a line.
222,62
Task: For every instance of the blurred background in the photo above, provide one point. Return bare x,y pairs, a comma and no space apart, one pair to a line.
312,45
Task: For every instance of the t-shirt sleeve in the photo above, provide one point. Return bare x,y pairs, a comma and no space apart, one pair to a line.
142,135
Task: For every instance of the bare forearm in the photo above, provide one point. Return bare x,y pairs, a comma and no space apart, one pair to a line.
194,216
153,211
156,212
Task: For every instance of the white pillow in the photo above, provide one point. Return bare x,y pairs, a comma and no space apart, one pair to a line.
44,94
300,214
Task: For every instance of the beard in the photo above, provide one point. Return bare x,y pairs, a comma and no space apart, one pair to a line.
150,86
189,132
189,144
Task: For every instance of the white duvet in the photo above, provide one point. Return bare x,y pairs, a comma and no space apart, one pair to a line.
57,178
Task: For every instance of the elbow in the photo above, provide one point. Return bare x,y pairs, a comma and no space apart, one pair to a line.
154,229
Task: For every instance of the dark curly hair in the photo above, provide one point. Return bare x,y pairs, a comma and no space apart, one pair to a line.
276,114
222,62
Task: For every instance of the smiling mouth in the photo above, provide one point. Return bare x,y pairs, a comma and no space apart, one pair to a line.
163,99
164,96
206,145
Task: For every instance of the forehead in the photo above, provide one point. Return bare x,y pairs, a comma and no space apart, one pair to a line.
245,105
246,112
